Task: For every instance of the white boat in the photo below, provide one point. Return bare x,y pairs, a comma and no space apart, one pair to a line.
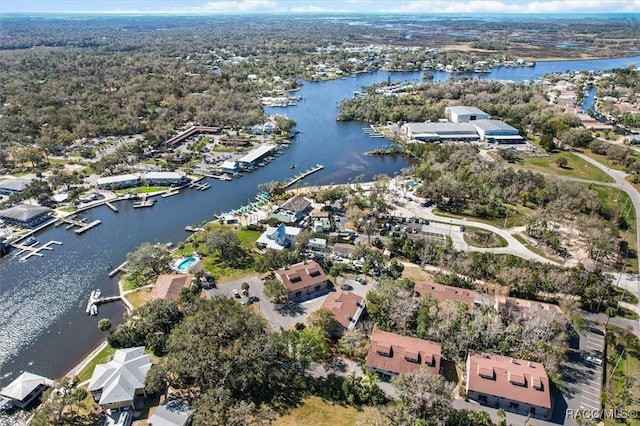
97,293
93,310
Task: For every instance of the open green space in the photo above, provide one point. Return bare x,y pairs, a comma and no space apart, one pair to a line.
518,216
142,190
622,362
316,411
100,358
602,159
575,167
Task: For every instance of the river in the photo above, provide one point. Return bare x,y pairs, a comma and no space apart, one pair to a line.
43,326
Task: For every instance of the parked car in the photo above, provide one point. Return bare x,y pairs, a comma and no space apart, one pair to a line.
236,293
594,360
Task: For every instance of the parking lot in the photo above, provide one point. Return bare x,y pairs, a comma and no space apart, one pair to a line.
583,373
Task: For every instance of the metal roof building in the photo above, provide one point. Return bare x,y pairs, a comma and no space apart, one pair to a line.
120,181
25,215
497,131
13,185
250,158
440,131
463,114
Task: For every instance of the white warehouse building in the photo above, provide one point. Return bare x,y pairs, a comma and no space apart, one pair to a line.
440,131
464,114
496,131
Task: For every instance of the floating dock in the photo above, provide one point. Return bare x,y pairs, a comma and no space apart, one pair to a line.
302,175
88,226
200,186
33,250
144,202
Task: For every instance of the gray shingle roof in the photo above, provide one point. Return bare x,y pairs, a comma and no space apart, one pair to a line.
23,212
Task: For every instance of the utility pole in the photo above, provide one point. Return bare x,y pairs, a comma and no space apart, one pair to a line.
613,370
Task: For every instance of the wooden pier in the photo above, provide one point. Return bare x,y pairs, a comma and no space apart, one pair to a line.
117,269
33,250
144,202
200,186
302,175
112,207
99,300
88,226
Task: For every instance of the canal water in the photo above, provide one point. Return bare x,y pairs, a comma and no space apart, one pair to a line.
43,325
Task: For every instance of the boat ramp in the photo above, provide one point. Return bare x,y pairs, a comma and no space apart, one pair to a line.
302,175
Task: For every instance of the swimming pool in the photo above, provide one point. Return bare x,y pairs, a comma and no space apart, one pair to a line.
183,265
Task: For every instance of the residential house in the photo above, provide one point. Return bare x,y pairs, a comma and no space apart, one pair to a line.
303,279
24,389
169,286
346,307
278,238
172,412
25,215
514,385
317,244
294,208
441,293
117,383
391,354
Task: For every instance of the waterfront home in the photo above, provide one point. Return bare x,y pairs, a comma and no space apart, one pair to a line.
346,307
391,354
13,185
118,182
25,215
117,383
230,166
303,279
293,209
24,389
165,178
169,286
172,412
278,238
512,384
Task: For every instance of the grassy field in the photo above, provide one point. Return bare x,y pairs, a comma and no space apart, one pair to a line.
100,358
478,237
315,411
602,159
518,216
622,367
576,167
142,190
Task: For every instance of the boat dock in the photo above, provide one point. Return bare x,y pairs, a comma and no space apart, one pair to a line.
112,207
117,269
219,177
88,226
373,132
93,300
144,202
33,250
170,193
302,175
200,186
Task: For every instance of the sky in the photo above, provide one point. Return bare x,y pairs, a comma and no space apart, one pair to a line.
319,6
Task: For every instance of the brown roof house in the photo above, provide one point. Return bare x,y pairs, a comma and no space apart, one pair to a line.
511,384
346,307
169,286
441,293
303,280
391,354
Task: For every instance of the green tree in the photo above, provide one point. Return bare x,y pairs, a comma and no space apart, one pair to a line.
275,290
562,162
325,321
104,324
424,393
228,245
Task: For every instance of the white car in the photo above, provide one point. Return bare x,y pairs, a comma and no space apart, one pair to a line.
594,360
236,293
